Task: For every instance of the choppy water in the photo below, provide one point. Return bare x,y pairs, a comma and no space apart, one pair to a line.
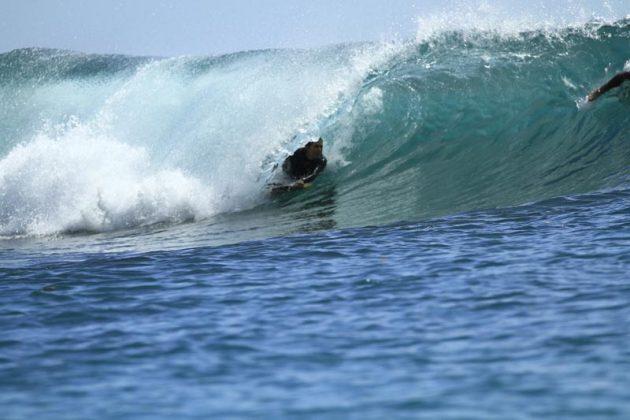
465,255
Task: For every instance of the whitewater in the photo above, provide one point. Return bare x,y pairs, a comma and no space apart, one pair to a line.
464,255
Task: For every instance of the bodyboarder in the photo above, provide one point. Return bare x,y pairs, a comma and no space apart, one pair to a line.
305,164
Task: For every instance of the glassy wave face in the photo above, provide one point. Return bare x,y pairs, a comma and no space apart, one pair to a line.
453,121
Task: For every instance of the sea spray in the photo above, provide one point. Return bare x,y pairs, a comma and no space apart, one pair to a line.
64,184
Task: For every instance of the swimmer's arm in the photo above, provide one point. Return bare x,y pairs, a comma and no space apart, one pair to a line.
298,185
612,83
287,168
316,172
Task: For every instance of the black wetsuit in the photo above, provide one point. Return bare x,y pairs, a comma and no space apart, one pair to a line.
298,166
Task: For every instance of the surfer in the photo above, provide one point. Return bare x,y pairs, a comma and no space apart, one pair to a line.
611,84
305,164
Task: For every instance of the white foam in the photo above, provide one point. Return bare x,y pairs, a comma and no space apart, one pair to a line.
568,83
583,104
84,180
372,101
508,19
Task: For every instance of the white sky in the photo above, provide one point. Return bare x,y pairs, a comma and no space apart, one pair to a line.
205,27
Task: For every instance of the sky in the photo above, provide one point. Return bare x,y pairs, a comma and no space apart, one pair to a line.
211,27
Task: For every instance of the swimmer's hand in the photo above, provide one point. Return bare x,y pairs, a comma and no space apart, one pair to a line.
300,184
594,95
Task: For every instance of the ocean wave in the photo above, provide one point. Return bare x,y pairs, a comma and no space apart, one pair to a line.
454,120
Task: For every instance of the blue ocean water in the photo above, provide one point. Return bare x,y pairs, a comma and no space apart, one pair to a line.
464,255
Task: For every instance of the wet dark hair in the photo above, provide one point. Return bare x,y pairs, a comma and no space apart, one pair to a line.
310,143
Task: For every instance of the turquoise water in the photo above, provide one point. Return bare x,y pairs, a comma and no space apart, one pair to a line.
464,255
